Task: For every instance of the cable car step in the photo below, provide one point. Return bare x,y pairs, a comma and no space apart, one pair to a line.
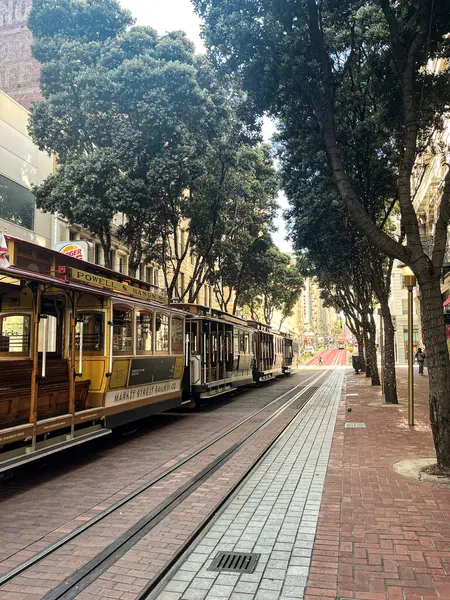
266,377
48,447
217,391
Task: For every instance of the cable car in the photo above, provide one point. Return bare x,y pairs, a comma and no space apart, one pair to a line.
83,349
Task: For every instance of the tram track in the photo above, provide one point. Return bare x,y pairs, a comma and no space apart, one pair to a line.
159,512
81,579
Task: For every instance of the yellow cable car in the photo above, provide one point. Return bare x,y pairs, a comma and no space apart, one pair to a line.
82,349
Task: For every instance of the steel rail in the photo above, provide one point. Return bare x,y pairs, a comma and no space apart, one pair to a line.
139,490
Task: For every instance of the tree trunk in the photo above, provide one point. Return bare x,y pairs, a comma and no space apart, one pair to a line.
134,260
366,352
373,352
361,350
435,341
390,381
105,241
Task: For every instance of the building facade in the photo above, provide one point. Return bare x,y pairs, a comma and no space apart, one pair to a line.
398,304
19,71
318,321
22,165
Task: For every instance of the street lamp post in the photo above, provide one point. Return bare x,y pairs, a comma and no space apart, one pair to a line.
410,283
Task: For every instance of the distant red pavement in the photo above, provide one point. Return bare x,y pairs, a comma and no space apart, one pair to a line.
330,358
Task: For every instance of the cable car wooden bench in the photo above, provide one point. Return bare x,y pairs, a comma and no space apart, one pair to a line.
53,391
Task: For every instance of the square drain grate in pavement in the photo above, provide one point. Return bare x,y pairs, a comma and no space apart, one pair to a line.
355,425
237,562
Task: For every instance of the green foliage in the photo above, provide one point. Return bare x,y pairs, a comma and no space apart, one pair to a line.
271,283
144,127
355,105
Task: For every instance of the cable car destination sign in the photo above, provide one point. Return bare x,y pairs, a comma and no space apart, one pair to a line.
116,286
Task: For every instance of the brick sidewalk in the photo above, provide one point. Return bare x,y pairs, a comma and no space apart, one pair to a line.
380,535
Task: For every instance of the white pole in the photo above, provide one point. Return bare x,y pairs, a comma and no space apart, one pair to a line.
204,356
111,336
80,357
44,348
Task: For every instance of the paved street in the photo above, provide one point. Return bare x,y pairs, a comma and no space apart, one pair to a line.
74,486
331,357
274,514
328,516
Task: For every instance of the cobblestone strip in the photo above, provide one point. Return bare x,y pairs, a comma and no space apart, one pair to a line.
275,514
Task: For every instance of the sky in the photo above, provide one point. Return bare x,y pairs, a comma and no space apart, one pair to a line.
170,15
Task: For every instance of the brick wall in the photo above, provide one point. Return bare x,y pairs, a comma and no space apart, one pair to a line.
19,71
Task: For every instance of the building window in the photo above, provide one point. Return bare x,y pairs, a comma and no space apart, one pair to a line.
181,285
183,240
72,235
16,203
149,274
120,264
98,249
192,258
122,329
144,331
404,306
162,333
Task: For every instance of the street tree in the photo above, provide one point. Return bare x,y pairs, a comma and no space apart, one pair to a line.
313,65
342,263
341,256
242,194
125,112
144,128
277,286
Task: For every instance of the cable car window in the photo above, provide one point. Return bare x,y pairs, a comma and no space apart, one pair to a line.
144,331
93,332
246,344
236,342
177,335
15,334
229,342
162,332
122,329
193,339
241,342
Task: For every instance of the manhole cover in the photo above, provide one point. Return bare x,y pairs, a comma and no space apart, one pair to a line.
355,425
234,561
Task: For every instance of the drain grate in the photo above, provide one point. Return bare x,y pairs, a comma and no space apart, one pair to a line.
234,561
